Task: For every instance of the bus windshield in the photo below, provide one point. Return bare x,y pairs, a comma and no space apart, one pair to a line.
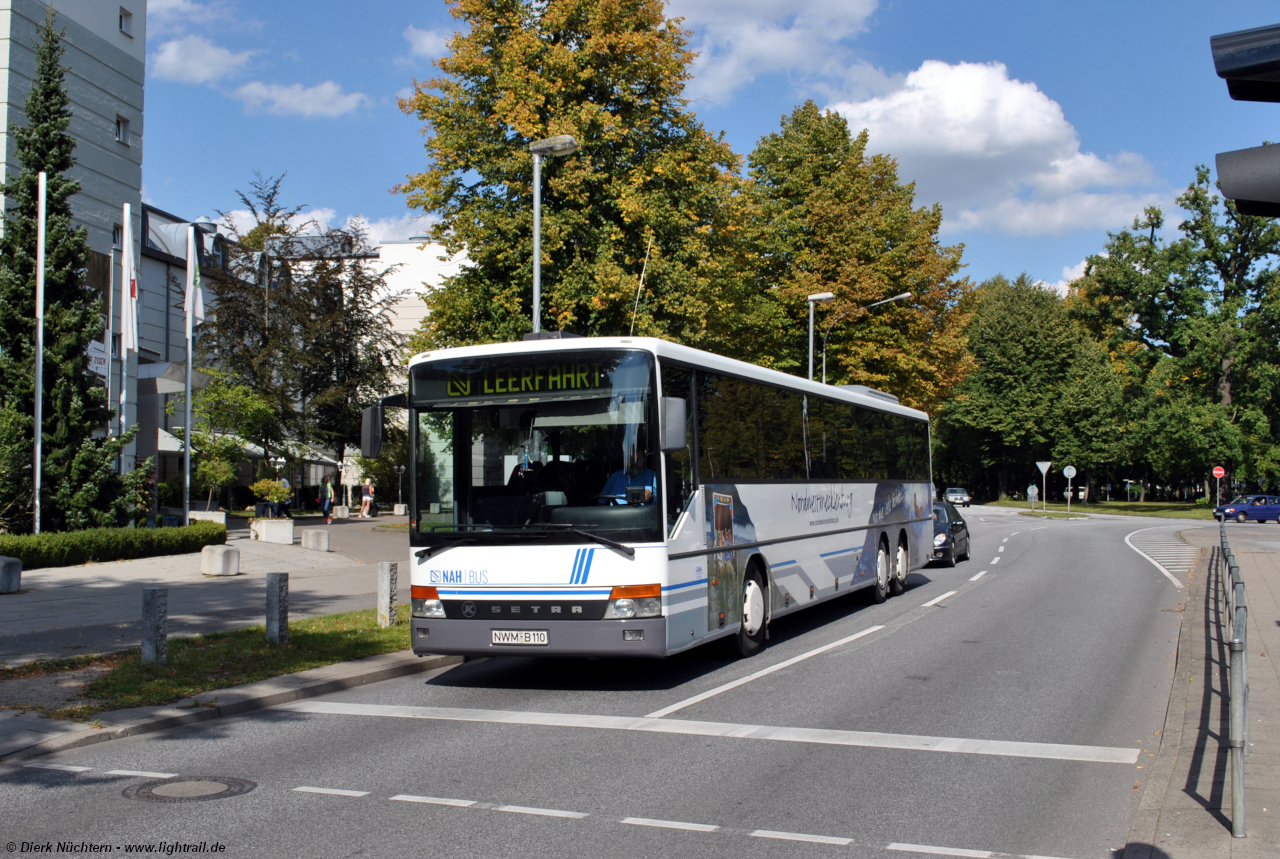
545,446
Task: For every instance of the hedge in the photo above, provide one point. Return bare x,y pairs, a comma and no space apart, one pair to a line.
68,548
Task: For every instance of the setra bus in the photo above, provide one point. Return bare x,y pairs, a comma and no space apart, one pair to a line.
626,496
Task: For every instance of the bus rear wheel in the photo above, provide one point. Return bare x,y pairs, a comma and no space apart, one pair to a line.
900,572
880,592
750,637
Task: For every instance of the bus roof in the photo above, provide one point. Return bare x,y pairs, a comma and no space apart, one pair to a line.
685,354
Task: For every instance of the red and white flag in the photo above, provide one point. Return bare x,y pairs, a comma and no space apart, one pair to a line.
128,287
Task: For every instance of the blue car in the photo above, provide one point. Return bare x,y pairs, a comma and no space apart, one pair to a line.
1246,508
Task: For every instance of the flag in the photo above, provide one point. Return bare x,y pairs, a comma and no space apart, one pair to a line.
128,287
193,304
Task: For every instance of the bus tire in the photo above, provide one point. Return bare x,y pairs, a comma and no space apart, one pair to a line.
750,637
901,569
880,590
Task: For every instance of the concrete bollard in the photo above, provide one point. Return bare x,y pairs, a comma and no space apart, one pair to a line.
316,539
341,511
278,608
155,626
400,510
388,590
10,575
219,561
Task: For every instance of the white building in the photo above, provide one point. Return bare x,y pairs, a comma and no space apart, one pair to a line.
419,268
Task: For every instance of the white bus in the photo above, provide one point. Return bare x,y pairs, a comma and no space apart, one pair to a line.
632,497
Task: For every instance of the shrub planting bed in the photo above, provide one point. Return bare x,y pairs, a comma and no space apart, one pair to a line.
69,548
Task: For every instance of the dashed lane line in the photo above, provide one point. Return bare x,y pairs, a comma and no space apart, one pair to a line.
800,836
996,559
734,684
728,730
932,850
141,774
541,812
434,800
59,767
332,791
937,600
671,824
978,576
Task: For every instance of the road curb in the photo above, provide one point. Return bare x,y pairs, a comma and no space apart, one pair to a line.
237,700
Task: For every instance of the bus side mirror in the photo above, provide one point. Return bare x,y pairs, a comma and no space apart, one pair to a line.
371,432
673,424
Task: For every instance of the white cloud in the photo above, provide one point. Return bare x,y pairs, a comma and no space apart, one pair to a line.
196,60
394,229
427,43
1070,273
740,40
998,153
176,15
323,99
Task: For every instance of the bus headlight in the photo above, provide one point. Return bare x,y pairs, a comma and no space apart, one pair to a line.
425,602
630,601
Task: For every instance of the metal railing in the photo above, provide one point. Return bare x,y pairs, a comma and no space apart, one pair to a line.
1233,627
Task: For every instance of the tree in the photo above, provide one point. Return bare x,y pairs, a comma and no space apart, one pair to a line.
648,181
225,414
79,483
827,217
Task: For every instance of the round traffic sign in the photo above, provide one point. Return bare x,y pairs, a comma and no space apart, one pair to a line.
1069,472
1219,471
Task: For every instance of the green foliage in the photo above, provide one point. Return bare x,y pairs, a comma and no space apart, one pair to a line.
382,470
824,216
271,490
611,74
81,488
96,545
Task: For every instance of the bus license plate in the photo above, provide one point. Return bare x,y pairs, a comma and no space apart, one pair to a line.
531,637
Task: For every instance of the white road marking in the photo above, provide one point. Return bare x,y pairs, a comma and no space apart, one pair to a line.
978,576
711,693
940,851
331,791
1000,548
141,774
800,836
541,812
434,800
729,730
937,600
671,824
996,559
1015,533
1190,554
1005,540
59,767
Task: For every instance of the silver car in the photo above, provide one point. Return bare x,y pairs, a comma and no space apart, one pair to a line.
957,496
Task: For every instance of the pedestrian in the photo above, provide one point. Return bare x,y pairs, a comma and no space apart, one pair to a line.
326,499
366,498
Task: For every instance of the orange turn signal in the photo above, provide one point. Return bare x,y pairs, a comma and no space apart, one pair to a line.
635,592
422,592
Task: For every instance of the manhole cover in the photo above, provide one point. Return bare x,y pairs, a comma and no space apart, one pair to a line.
194,788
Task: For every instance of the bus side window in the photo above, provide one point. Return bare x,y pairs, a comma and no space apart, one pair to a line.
678,382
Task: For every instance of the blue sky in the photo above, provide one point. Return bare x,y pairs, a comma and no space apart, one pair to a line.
1038,126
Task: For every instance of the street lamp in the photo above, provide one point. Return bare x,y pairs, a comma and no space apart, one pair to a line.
900,297
816,298
560,145
400,489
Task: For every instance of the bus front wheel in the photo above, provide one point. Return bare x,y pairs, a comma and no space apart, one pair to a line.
880,592
750,636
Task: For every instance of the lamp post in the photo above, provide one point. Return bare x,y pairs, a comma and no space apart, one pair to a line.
560,145
400,488
816,298
900,297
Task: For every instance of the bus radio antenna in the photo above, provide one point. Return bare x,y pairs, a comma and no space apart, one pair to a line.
640,286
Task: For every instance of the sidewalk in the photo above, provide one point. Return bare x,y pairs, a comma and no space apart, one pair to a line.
1185,808
97,608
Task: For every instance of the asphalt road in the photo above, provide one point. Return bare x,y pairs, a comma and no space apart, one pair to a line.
1009,718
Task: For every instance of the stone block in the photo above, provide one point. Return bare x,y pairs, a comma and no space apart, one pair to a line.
388,591
219,516
316,539
273,530
278,608
10,575
155,626
400,510
341,511
219,561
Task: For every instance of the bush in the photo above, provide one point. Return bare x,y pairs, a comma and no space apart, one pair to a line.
69,548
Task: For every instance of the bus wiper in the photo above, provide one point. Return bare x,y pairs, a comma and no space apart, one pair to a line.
423,554
603,541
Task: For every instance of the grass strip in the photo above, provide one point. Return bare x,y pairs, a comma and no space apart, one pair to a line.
1052,514
1153,509
220,660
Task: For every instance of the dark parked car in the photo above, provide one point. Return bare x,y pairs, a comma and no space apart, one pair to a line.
1245,508
950,534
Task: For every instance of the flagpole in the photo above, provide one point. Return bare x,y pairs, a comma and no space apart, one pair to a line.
128,338
190,308
39,404
111,297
